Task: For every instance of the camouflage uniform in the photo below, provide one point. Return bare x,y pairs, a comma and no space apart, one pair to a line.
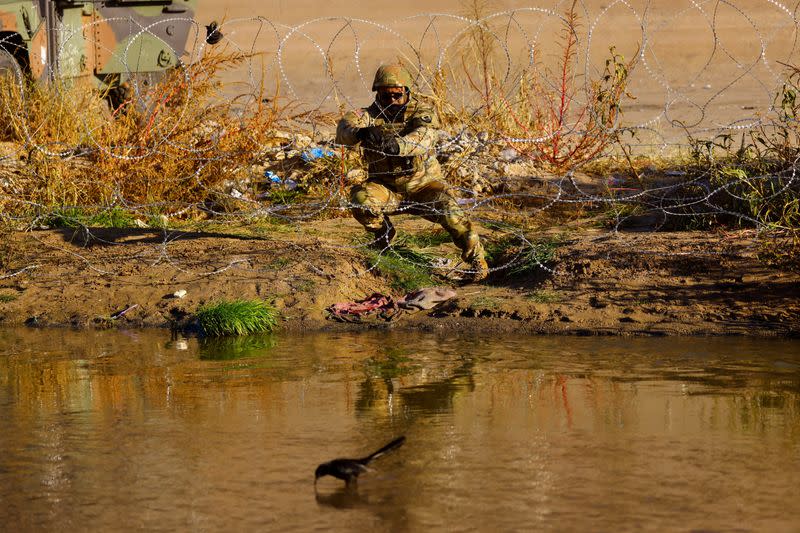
411,181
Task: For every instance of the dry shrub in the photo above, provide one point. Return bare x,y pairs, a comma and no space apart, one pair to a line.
754,179
171,144
50,124
563,122
188,139
553,117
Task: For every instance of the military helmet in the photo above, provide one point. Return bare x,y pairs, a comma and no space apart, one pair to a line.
392,76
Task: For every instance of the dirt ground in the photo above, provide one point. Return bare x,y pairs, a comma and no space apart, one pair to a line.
602,283
705,65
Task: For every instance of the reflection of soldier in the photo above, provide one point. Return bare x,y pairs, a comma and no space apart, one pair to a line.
398,134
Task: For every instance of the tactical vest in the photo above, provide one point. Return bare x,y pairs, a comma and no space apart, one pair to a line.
394,171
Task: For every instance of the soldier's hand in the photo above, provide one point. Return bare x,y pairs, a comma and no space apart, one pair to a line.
370,137
390,145
374,138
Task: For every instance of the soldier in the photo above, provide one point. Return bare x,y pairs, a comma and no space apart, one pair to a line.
397,134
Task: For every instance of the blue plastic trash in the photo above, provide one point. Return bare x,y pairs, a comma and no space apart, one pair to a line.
273,178
316,153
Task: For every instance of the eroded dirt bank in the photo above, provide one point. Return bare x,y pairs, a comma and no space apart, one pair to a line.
602,284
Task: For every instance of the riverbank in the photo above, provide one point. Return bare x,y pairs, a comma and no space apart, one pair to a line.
601,283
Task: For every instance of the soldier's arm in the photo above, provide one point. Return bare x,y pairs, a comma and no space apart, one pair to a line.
350,123
422,135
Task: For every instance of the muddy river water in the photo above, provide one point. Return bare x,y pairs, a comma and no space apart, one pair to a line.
111,431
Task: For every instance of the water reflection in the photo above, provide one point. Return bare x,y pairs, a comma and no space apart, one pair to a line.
106,428
228,348
395,381
342,498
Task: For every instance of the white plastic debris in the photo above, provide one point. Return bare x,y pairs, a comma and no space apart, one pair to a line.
179,293
509,154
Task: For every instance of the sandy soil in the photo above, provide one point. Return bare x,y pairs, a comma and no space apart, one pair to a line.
704,66
602,284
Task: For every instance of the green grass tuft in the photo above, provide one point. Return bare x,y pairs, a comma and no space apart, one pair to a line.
238,317
484,302
6,298
544,297
406,269
285,197
73,217
524,258
424,239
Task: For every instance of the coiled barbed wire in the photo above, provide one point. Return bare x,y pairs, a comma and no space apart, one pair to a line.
682,108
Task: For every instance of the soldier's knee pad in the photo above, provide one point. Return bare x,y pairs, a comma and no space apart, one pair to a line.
359,195
456,223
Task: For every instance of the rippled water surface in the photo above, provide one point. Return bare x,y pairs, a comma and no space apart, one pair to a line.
117,431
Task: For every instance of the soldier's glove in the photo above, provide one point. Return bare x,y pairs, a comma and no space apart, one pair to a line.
370,137
390,146
374,138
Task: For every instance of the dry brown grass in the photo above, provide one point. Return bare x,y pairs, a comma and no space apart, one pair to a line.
553,117
169,145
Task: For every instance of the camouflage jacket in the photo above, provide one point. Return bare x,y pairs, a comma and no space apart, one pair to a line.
417,131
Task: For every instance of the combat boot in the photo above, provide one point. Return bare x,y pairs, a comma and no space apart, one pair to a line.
475,257
479,269
384,236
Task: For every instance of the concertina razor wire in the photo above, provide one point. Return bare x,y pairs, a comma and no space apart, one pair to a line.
513,88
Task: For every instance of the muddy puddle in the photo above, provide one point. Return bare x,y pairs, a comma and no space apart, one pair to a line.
109,431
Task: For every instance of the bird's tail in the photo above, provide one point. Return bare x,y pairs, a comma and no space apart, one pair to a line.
396,443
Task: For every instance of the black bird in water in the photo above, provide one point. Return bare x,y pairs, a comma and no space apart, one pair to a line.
349,469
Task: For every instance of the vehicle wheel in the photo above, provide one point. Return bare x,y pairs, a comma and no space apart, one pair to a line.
126,93
9,66
119,95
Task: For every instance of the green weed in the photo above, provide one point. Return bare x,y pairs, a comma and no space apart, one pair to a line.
484,302
7,298
424,239
406,269
544,297
75,217
521,257
284,196
238,317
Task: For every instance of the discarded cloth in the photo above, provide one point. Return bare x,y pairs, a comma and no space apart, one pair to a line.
427,298
377,304
384,307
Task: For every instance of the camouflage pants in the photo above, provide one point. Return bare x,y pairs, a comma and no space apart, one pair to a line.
374,202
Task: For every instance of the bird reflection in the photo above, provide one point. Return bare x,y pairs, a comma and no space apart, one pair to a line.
346,497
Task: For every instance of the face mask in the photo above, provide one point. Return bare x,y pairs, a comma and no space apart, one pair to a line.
388,99
391,107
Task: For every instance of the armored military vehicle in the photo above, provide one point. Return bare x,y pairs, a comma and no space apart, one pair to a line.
106,41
